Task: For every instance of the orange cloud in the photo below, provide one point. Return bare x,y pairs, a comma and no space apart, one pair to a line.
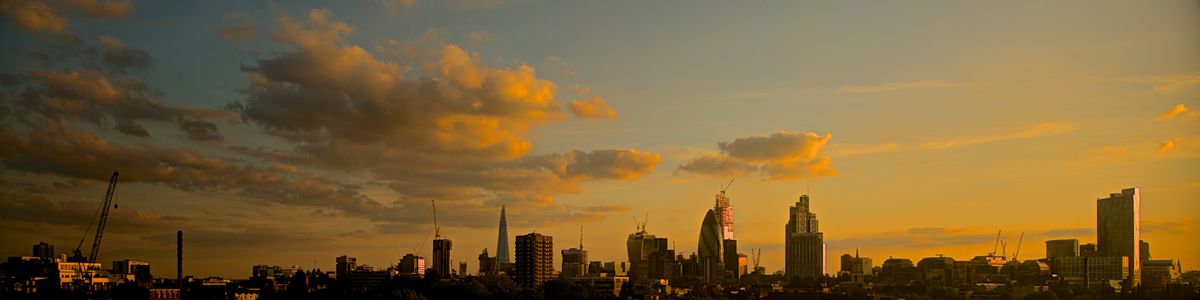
781,155
1178,110
45,16
593,108
33,16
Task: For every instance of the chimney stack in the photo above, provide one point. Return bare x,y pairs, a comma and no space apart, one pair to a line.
179,259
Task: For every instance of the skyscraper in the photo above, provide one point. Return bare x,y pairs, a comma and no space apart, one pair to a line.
709,248
535,259
575,260
639,246
502,242
805,244
1117,230
441,256
344,266
724,215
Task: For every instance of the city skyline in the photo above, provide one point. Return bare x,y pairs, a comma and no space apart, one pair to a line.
293,133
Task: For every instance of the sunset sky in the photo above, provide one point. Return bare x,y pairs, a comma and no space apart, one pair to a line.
292,132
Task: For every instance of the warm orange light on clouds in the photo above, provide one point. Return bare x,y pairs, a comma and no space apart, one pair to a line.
593,108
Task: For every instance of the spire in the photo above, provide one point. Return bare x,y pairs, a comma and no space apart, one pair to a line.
580,237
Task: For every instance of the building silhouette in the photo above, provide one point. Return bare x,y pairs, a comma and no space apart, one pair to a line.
805,244
502,257
534,260
1062,248
487,264
639,246
412,265
344,266
709,248
1117,230
441,256
575,260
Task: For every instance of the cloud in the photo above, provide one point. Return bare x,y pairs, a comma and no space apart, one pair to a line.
439,125
33,16
592,108
1174,84
46,16
1181,226
199,130
781,155
1168,146
124,59
101,92
104,9
717,165
1042,129
1178,110
893,86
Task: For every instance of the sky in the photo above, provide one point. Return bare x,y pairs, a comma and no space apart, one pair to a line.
289,133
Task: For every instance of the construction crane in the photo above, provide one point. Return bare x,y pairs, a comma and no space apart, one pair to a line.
102,215
997,245
1018,252
757,253
436,231
726,186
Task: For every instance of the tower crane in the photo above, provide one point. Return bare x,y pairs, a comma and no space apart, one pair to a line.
1018,252
102,215
757,253
726,186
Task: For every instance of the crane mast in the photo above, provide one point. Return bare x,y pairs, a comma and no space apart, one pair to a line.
100,225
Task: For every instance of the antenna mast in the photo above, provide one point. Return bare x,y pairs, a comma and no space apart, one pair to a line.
580,237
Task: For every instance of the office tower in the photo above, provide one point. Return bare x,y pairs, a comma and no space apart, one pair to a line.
709,248
1144,251
344,266
412,265
441,256
462,268
639,246
724,214
729,251
139,269
535,259
804,243
1088,250
43,250
487,264
1062,248
574,262
502,242
661,261
1118,232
